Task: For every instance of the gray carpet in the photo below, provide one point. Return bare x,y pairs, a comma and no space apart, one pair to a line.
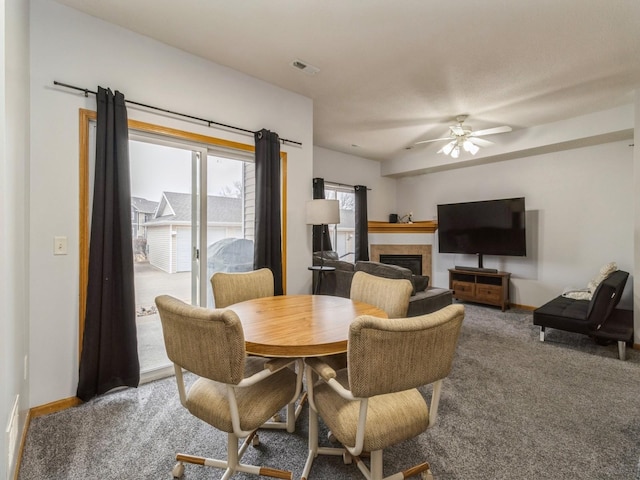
512,408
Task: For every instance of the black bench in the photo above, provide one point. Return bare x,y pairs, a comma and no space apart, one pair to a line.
599,318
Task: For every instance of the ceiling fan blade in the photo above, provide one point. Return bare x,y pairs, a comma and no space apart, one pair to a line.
481,142
432,140
490,131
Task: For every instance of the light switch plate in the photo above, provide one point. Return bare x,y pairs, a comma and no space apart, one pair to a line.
59,245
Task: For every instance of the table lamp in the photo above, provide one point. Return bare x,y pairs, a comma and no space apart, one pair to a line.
323,212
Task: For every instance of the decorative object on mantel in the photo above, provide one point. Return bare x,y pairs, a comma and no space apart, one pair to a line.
418,226
408,218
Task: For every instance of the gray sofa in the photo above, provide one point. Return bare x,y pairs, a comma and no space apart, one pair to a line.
424,299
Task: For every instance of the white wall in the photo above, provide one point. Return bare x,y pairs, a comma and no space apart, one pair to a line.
579,208
14,216
74,48
352,170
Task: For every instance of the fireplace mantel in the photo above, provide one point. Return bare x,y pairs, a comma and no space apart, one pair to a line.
415,227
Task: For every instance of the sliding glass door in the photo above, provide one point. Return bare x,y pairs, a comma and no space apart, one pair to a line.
171,220
192,214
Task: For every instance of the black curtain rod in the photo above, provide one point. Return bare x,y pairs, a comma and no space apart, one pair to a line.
208,122
336,184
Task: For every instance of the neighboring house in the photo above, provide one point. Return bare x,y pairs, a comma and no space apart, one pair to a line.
345,244
169,244
142,210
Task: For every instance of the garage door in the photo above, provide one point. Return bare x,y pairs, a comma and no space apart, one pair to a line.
183,247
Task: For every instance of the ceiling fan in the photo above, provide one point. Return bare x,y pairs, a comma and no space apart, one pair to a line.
461,137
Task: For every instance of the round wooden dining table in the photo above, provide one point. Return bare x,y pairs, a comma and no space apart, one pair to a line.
299,325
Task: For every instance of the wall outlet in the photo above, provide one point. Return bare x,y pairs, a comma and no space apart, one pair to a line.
12,435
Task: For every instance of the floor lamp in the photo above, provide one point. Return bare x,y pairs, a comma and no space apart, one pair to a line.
322,212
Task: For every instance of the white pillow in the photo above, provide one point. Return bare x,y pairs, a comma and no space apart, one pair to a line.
578,294
587,293
605,271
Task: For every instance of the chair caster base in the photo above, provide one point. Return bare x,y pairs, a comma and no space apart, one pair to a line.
426,475
255,441
178,470
347,458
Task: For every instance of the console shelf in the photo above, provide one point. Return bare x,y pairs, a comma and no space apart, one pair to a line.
490,288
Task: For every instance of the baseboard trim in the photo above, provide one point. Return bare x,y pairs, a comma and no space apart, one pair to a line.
522,307
23,441
54,407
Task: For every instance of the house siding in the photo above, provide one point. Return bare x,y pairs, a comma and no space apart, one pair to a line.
183,249
159,255
249,200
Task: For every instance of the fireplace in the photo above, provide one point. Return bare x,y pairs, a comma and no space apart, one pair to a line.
422,251
412,262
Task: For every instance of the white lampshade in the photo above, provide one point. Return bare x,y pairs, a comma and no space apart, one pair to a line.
323,212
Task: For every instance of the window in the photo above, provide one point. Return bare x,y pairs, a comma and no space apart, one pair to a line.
343,234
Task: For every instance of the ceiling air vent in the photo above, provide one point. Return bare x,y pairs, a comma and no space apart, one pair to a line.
305,67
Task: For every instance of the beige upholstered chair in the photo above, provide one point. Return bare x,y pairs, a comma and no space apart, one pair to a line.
234,393
234,287
388,294
229,288
375,403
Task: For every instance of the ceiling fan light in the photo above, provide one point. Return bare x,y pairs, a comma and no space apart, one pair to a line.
448,147
455,153
470,147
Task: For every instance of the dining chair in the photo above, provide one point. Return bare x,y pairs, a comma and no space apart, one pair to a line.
375,402
388,294
232,392
234,287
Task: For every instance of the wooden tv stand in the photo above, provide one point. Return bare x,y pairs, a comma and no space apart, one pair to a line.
481,287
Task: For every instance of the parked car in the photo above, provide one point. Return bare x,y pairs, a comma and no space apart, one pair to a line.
228,255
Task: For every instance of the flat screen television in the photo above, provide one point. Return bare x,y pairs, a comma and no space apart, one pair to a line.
488,227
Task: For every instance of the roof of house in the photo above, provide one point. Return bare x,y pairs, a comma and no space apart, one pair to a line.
175,208
143,205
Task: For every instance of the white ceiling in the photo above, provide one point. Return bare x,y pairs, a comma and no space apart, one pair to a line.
396,72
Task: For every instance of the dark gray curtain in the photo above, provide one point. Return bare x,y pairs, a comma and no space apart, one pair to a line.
318,193
109,346
362,224
268,223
